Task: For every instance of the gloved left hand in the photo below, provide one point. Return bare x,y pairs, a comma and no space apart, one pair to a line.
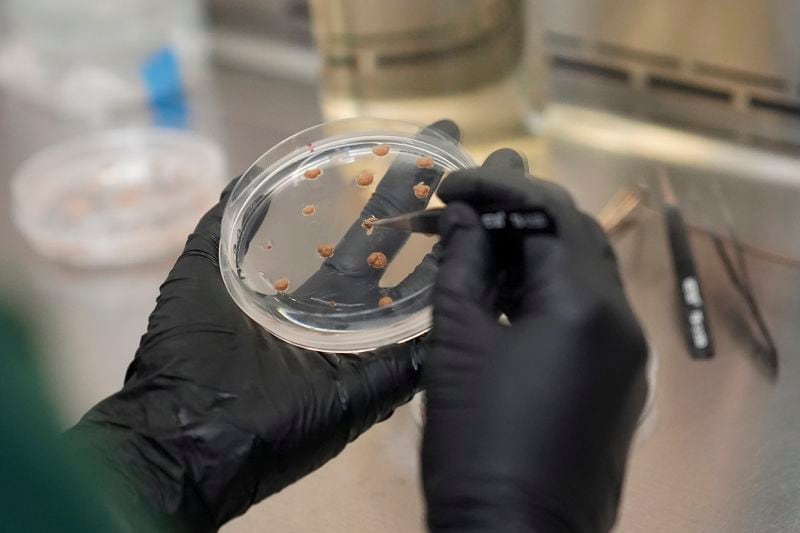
216,414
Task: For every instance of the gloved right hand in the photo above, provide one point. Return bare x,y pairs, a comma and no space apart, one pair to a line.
528,425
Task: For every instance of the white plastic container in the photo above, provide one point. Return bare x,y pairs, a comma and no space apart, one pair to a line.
118,197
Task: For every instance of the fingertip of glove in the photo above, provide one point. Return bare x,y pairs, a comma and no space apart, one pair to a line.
447,127
461,184
226,192
508,160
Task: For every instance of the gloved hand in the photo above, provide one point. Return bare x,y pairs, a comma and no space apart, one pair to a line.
528,425
216,414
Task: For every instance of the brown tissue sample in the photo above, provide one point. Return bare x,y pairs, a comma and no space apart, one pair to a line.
377,260
309,210
424,162
325,250
386,301
365,178
381,150
312,173
281,285
422,190
367,224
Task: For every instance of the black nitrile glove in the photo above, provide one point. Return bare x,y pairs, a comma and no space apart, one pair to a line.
216,414
528,425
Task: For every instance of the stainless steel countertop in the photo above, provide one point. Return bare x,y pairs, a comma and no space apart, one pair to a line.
719,454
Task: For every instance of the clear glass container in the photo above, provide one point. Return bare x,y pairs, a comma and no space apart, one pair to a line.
296,254
420,60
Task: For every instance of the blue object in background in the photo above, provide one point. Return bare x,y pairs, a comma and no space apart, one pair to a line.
162,79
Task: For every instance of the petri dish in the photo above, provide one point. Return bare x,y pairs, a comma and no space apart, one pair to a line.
297,253
117,197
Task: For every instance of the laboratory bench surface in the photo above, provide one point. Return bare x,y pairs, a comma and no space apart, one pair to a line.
720,452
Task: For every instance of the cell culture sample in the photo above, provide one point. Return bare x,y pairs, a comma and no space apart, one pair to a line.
281,285
365,178
377,260
386,301
424,162
422,191
381,150
309,210
325,250
312,173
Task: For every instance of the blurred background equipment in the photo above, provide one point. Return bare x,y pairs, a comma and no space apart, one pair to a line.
272,37
117,197
90,57
424,60
728,69
717,68
479,62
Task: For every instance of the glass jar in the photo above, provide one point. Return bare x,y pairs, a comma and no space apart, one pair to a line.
466,60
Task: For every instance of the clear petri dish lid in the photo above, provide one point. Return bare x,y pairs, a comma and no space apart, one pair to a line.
297,253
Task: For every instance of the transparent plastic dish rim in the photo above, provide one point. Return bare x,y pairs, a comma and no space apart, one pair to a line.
270,165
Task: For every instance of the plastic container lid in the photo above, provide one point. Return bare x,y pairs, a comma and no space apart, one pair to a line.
118,197
296,254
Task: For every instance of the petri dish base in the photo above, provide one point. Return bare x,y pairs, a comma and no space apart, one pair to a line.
297,252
